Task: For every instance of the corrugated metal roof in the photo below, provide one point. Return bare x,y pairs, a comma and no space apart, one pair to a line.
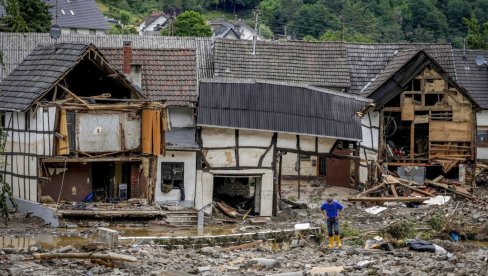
81,14
279,108
472,77
319,64
167,74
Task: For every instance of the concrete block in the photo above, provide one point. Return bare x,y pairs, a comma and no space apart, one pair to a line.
48,214
108,236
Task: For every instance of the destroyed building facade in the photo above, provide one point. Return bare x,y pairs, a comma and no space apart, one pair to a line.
77,130
423,123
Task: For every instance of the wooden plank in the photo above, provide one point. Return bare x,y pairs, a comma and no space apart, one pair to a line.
146,131
375,188
393,190
156,137
415,189
412,141
75,96
440,131
408,111
388,199
63,144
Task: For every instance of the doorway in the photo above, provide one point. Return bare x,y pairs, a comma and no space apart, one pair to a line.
240,192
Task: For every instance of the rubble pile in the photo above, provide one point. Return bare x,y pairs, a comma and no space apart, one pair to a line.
309,260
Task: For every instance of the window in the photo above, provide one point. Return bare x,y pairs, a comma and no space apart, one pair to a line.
92,31
73,31
71,11
62,11
482,136
172,176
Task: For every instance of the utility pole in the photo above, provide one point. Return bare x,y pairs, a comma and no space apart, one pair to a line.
255,37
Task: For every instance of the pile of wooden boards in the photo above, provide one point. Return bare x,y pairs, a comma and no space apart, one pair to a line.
389,190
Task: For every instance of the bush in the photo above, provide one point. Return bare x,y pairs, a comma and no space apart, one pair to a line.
403,229
437,222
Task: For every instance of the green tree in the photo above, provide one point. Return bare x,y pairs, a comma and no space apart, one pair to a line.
313,20
476,39
124,17
25,16
265,31
119,29
189,23
348,35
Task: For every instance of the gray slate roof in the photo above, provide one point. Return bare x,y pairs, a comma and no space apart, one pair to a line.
318,64
82,14
367,60
40,71
37,73
472,77
16,46
279,107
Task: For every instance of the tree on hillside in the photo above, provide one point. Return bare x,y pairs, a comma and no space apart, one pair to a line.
189,23
313,20
476,38
25,16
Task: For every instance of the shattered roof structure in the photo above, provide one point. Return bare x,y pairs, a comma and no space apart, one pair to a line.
404,66
366,61
83,14
43,69
318,64
279,107
167,74
472,77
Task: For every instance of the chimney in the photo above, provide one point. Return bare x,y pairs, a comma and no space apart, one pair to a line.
127,57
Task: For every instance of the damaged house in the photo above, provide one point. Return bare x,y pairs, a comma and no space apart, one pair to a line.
423,123
78,130
245,128
168,75
322,65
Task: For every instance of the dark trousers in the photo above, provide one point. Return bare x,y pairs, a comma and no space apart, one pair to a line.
333,226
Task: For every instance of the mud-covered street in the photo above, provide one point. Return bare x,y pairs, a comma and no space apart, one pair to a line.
374,244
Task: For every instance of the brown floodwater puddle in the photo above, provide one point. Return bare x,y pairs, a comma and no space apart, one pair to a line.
61,238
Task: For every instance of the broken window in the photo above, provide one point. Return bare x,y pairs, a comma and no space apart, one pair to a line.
482,136
172,177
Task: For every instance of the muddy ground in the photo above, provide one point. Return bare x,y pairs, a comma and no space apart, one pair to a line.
25,237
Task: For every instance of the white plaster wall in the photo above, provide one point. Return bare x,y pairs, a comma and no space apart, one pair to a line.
482,121
80,31
325,144
307,143
190,175
288,141
220,158
250,157
218,137
181,117
306,168
20,141
370,132
205,187
255,138
98,132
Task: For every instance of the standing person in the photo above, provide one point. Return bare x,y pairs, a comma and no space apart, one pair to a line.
330,211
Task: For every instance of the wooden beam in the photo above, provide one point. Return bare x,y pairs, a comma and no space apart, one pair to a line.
415,189
75,96
393,190
388,199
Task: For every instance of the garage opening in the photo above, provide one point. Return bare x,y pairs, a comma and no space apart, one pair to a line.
239,192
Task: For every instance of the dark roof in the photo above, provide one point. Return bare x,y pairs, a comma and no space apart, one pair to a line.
41,70
472,77
319,64
83,14
279,107
405,66
167,74
181,138
152,17
367,60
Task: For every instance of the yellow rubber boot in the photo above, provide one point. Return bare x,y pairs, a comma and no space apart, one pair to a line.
331,242
338,240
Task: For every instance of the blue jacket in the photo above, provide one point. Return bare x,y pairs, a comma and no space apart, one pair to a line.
332,209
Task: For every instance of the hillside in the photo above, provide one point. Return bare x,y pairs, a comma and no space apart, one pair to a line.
351,20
